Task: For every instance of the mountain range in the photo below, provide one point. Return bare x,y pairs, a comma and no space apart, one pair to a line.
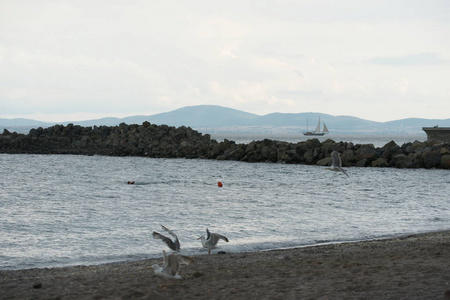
217,119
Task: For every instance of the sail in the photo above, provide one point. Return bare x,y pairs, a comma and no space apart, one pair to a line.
318,127
325,129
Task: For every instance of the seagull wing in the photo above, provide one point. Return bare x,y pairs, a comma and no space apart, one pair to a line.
169,231
336,159
175,246
185,260
165,261
337,162
176,242
173,264
223,238
215,237
343,171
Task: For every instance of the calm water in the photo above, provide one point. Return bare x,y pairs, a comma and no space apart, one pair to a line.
59,210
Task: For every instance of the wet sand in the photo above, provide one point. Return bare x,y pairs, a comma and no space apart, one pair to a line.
410,267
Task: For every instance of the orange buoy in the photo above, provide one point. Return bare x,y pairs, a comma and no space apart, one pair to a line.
219,184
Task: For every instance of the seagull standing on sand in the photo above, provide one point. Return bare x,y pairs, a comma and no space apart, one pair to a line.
171,266
336,164
174,245
211,240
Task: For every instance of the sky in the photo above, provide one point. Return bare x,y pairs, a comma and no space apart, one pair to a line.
379,60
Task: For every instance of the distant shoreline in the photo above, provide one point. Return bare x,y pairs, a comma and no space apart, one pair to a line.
215,118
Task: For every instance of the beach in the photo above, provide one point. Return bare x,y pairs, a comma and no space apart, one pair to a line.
407,267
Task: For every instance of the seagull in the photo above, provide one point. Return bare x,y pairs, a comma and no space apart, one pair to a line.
171,266
174,245
211,240
336,163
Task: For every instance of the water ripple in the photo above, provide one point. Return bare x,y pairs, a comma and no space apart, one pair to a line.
65,210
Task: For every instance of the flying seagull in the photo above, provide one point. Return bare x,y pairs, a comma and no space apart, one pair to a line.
211,240
336,164
171,266
174,245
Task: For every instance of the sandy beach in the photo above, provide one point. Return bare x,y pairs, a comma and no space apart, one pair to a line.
409,267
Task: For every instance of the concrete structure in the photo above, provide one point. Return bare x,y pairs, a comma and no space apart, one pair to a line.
438,134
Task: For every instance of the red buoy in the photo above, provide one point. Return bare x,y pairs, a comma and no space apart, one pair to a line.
219,184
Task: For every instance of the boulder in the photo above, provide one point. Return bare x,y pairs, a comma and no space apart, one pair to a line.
380,163
431,159
362,163
367,151
324,161
445,161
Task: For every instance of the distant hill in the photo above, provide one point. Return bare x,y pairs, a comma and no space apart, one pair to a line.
216,119
200,116
18,122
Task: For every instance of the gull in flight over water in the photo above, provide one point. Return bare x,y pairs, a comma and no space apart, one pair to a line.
171,266
336,164
211,240
174,245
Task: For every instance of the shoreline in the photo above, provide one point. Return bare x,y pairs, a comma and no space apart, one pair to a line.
157,256
404,267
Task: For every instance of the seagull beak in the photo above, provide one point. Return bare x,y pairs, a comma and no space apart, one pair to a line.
149,267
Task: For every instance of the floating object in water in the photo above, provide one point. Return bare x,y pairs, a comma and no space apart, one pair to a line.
171,265
336,164
131,182
219,184
211,240
174,245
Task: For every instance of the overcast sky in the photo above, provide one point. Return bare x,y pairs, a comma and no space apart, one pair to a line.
77,60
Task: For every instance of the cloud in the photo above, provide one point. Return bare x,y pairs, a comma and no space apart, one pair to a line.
144,57
409,60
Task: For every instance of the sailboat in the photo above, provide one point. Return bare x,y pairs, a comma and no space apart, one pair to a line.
317,131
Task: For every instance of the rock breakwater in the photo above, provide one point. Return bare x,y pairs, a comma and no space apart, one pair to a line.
162,141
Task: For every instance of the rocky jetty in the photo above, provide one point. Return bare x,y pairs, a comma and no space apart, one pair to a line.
183,142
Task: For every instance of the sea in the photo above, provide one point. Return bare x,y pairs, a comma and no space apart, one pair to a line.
65,210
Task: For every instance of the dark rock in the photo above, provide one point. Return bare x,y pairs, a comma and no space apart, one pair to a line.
445,161
348,158
380,163
197,274
324,161
37,285
431,159
390,145
362,163
366,151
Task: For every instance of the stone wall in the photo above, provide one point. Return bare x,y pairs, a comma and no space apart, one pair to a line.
169,142
437,134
